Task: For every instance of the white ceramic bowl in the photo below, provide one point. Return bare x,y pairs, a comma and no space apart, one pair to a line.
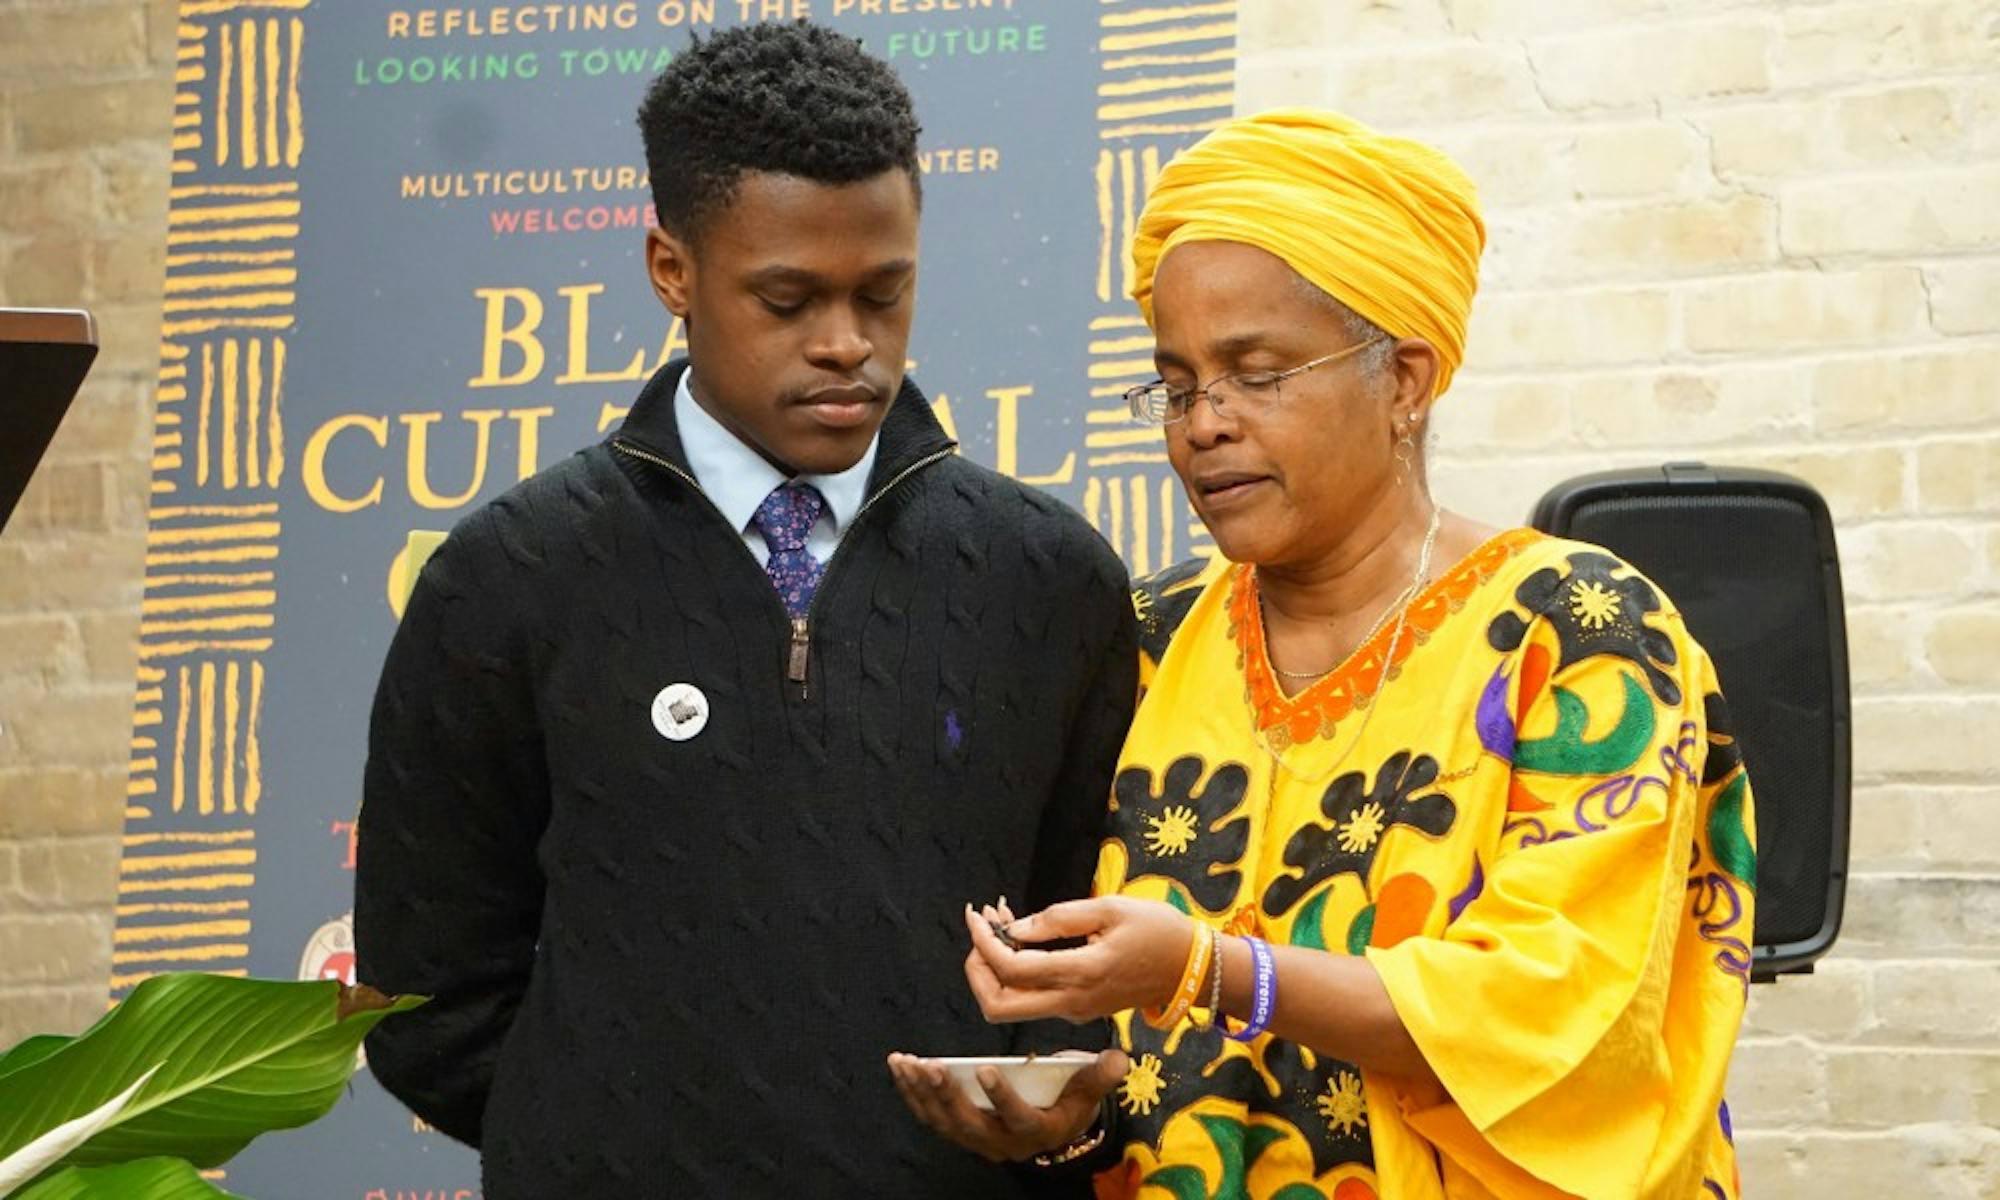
1038,1080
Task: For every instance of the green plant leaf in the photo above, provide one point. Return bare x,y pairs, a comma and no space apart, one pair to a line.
49,1147
235,1058
33,1050
151,1178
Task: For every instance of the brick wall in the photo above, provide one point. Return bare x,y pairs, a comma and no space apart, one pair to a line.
1762,233
1765,234
86,98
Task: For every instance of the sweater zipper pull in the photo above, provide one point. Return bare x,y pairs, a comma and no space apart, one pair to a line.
797,671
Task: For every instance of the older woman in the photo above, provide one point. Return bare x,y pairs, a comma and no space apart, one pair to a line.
1430,859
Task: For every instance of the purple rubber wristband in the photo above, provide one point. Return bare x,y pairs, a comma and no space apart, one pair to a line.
1263,995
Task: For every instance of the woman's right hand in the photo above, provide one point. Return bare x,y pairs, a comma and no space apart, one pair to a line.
1133,954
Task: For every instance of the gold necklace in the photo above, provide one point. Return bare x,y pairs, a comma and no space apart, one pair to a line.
1367,703
1403,597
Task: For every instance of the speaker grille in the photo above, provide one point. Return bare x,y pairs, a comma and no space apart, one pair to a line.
1746,574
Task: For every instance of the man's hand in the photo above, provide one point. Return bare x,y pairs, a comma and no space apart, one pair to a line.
1014,1130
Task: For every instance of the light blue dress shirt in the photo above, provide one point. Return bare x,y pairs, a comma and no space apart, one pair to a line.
738,478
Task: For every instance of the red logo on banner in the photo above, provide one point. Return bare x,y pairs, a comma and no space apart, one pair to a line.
330,955
330,952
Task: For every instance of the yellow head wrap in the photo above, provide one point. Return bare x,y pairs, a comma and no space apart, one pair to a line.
1386,226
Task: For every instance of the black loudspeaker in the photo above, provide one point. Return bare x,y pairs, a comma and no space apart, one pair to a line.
1748,557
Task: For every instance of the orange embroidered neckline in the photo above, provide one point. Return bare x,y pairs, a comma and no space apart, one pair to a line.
1316,712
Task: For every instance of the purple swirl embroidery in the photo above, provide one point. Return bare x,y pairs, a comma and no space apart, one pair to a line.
1536,833
1675,758
1712,890
1617,797
1471,892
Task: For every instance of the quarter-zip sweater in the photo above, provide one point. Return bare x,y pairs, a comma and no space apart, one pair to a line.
675,966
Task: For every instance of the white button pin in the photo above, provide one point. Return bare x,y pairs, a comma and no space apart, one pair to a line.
680,711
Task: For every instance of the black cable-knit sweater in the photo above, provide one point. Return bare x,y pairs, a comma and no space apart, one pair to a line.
675,967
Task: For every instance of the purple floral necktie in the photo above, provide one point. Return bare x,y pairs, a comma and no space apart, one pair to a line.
786,518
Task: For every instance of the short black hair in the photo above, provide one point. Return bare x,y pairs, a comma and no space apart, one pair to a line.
786,98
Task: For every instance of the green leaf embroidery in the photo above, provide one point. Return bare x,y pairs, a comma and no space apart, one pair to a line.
1186,1183
1360,931
1237,1146
1308,927
1565,752
1727,839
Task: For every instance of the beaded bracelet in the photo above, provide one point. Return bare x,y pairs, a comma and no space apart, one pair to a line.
1090,1139
1193,975
1264,994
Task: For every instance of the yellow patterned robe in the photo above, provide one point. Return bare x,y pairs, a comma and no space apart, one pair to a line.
1540,833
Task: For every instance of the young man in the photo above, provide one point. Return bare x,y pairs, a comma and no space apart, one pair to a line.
690,751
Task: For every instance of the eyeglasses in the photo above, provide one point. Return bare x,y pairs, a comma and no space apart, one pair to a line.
1245,392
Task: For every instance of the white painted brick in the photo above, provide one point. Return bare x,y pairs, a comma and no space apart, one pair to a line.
1892,391
1607,325
1829,1005
1638,68
1724,412
1792,309
1653,158
1938,1161
1946,1001
1920,915
1513,18
1956,208
1965,294
1430,82
1778,1082
1876,1087
1824,44
1923,560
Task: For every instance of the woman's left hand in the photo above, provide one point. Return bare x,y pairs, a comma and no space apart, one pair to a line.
1134,954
